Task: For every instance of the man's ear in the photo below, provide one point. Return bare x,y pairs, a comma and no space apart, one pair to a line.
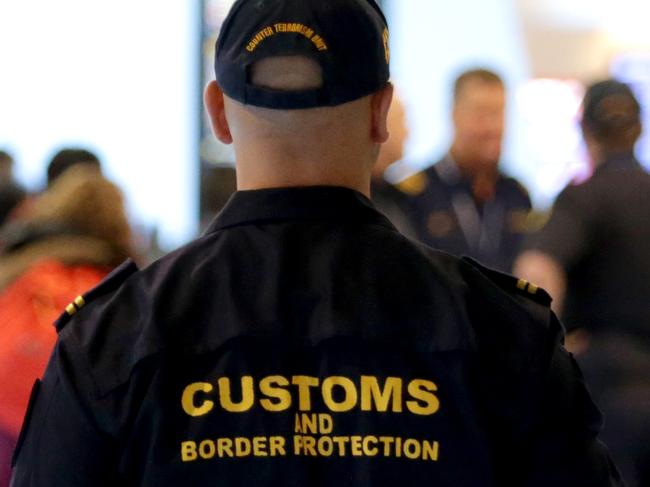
380,104
214,104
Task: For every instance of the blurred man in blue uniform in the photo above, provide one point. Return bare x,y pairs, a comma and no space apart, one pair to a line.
463,204
303,341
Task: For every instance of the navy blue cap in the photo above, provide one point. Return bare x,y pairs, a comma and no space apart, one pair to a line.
347,38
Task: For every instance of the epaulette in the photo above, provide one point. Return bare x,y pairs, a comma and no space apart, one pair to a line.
512,284
109,284
414,185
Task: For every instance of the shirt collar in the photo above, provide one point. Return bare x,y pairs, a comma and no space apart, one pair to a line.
299,203
448,170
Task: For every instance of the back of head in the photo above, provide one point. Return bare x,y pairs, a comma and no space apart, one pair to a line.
309,135
287,74
5,158
10,198
10,193
611,116
66,158
6,167
88,204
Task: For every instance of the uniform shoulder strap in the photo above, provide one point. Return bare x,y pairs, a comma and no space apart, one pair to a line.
513,285
109,284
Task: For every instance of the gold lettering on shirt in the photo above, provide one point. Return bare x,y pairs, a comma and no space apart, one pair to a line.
275,388
304,384
314,432
374,398
277,394
425,403
247,395
188,399
349,393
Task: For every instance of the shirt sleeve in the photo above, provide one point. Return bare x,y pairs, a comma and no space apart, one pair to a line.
568,234
60,444
542,423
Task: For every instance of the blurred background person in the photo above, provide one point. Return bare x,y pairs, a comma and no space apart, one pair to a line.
387,197
463,204
593,256
11,194
68,157
75,233
60,162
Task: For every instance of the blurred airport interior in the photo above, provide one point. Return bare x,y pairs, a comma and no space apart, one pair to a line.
125,79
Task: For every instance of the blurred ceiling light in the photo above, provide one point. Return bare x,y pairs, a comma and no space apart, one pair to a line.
573,14
550,110
627,24
624,21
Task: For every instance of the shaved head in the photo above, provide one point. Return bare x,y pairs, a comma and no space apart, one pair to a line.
335,145
293,73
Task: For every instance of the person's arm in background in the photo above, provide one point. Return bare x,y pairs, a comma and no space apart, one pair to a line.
546,272
551,252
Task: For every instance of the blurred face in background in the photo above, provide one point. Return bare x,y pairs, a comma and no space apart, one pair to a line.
479,118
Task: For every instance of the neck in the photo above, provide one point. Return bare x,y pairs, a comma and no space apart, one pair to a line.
472,168
272,167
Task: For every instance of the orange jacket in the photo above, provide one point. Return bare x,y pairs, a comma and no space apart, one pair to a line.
28,309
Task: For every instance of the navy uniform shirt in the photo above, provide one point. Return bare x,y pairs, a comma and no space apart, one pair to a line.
599,233
446,216
304,342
